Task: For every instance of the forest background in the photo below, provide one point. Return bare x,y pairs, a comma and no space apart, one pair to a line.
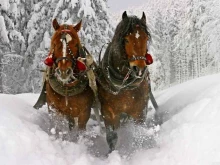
185,37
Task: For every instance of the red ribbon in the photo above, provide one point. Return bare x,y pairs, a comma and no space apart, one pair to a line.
49,60
80,65
149,59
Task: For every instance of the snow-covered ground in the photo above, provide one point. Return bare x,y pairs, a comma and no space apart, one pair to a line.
190,134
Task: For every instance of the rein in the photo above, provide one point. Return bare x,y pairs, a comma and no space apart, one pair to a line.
100,53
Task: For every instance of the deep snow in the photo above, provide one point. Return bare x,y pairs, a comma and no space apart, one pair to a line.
189,135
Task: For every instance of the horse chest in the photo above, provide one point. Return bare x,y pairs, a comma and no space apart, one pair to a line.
126,100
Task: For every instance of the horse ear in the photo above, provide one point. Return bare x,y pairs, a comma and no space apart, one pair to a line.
143,19
78,26
124,15
56,24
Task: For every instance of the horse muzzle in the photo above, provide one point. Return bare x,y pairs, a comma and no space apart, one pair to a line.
138,67
64,75
138,72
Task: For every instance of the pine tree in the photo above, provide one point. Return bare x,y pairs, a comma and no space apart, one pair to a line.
6,29
38,42
185,37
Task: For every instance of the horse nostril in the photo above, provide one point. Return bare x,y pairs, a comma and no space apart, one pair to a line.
58,71
68,71
135,68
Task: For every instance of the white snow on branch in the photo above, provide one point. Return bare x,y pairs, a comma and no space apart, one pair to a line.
3,31
4,4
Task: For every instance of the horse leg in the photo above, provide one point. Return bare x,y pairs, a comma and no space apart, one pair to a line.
96,111
52,120
71,123
83,119
111,123
111,137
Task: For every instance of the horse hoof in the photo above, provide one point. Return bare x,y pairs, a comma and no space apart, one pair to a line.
112,139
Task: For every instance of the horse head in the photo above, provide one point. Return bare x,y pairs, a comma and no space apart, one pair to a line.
135,42
65,46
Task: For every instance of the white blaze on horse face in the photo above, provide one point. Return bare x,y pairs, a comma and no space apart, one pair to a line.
68,38
137,35
65,42
64,48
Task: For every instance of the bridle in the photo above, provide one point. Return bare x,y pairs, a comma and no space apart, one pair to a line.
64,33
136,58
79,81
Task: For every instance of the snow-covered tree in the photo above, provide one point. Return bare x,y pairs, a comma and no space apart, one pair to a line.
38,36
185,36
12,74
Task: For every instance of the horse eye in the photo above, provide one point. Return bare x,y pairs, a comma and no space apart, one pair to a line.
58,71
126,40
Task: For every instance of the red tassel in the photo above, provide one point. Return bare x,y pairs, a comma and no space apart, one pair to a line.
80,65
48,61
149,59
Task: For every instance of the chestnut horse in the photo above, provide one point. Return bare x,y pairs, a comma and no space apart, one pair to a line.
67,84
122,83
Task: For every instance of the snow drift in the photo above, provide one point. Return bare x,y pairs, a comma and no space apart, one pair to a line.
189,135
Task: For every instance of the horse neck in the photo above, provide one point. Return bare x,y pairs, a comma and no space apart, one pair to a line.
81,52
114,57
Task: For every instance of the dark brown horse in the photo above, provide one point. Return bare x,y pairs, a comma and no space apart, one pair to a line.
122,84
67,84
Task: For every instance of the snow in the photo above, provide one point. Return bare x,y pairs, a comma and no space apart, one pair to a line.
189,135
74,3
3,31
85,6
4,4
15,35
13,9
46,41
